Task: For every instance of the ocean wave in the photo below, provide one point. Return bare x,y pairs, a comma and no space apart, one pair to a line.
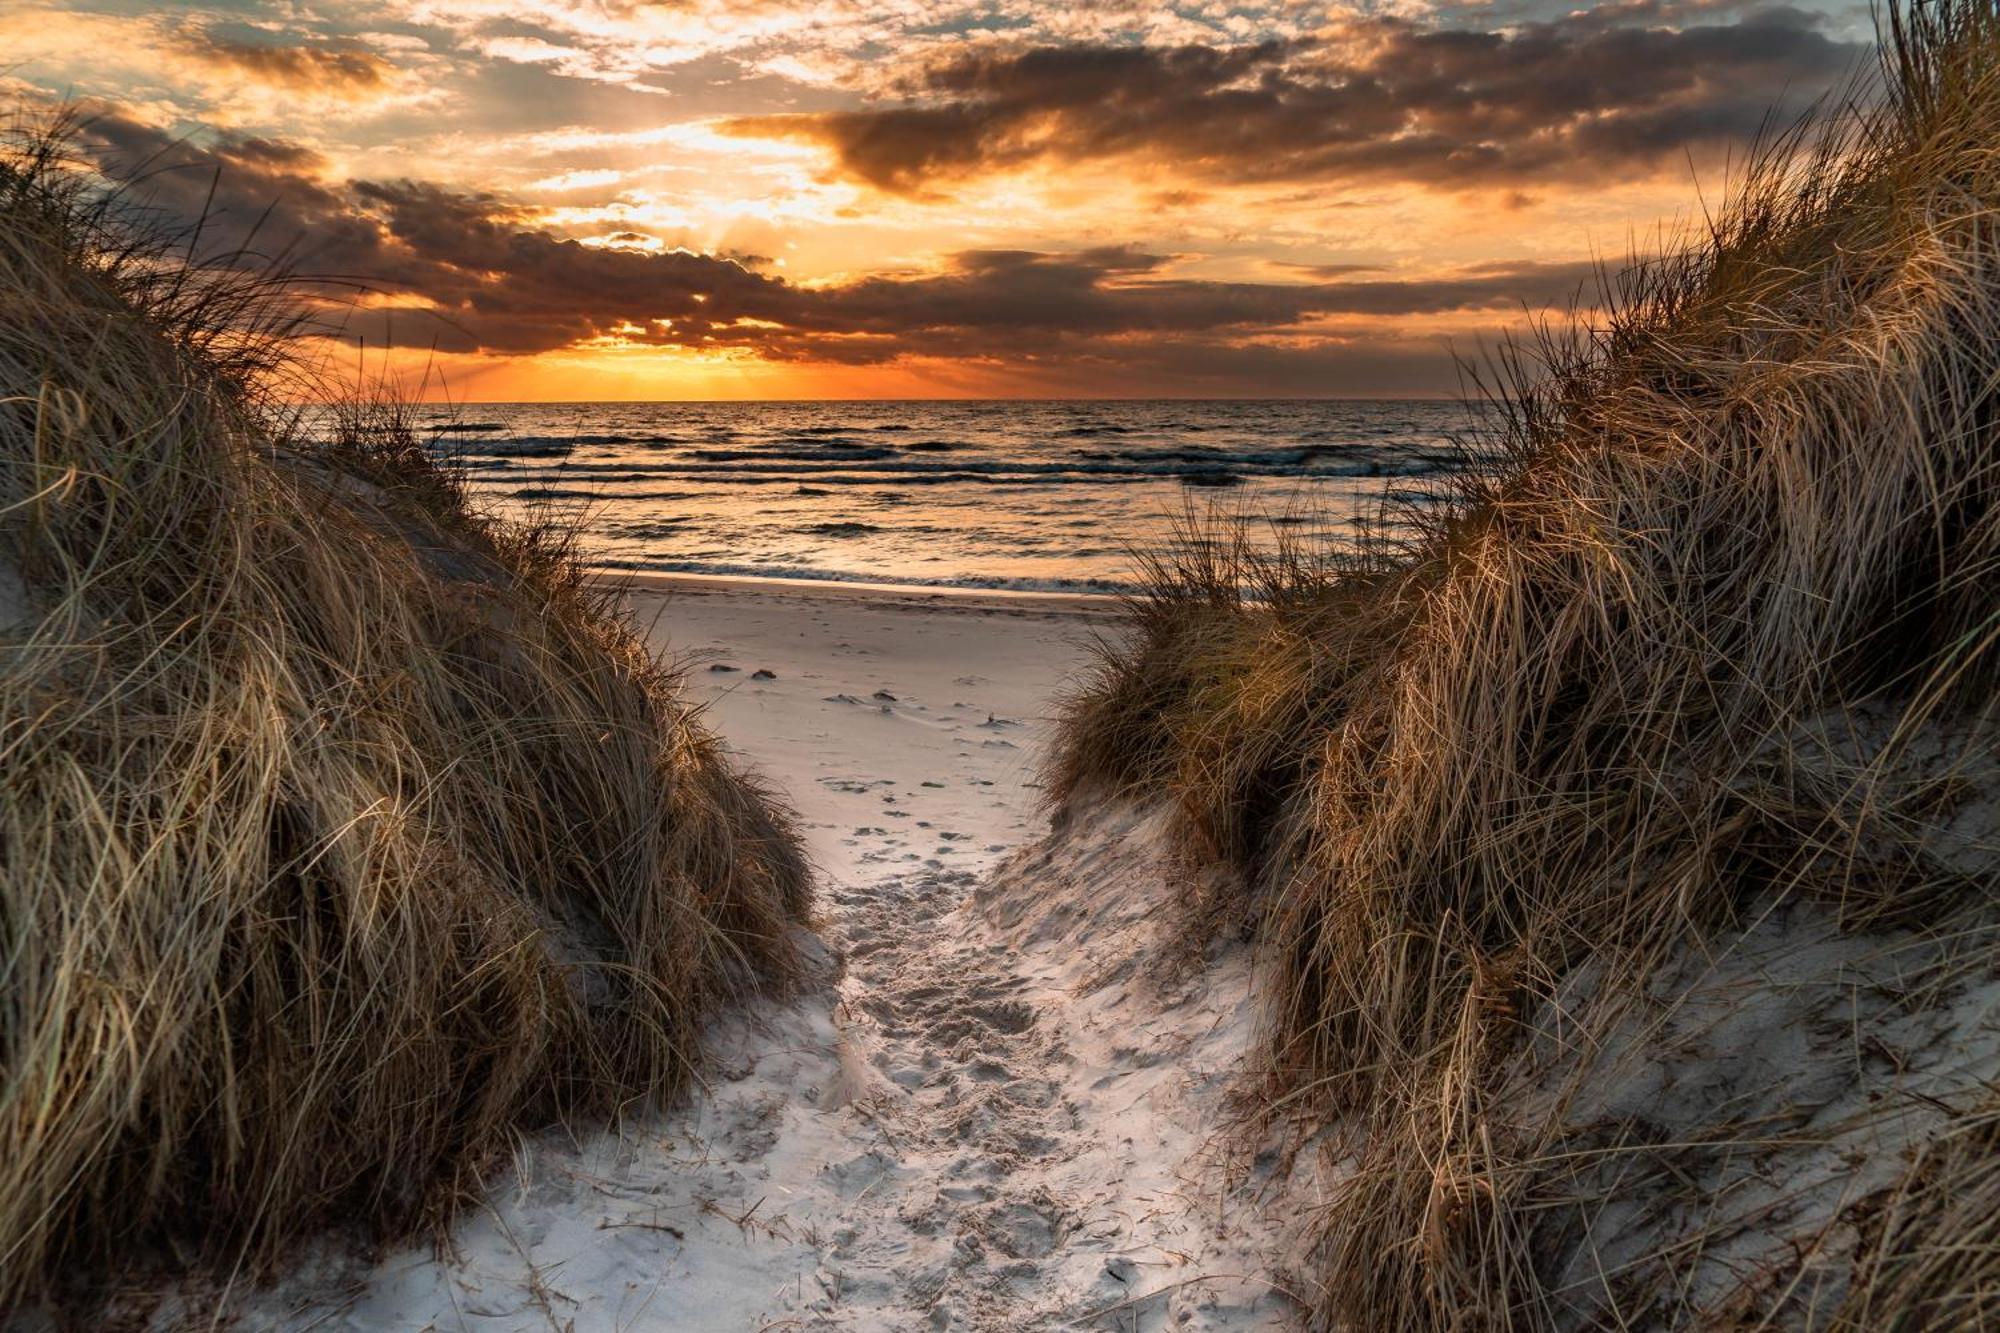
841,529
893,468
585,490
852,453
514,449
1194,454
523,443
640,529
820,444
593,495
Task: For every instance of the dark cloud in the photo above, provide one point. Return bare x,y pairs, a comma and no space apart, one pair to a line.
258,199
500,284
1380,98
1324,272
303,68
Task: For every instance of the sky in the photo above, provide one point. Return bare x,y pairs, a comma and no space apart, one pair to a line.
664,199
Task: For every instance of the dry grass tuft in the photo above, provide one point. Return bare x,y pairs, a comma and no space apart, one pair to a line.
345,831
1234,653
1688,712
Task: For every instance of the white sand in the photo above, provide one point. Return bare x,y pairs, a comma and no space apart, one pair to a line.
1005,1113
901,725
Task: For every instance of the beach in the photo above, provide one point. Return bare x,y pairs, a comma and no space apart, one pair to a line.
902,723
997,1094
895,728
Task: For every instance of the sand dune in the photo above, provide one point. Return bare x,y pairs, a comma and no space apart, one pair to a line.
1001,1105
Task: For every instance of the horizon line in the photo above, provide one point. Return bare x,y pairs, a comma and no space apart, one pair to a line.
1053,398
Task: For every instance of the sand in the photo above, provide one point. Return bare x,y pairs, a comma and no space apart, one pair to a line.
1001,1105
901,725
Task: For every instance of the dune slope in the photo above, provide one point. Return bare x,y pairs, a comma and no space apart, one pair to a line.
1625,850
344,831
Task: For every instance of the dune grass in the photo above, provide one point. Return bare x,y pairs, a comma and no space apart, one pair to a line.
346,832
1714,654
1234,653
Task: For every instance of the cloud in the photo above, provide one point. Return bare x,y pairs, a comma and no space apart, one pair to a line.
826,44
316,69
474,272
1378,98
258,199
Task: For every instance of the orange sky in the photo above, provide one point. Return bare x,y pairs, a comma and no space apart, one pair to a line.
591,199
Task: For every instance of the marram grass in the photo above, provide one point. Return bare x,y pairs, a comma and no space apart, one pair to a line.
1713,658
344,833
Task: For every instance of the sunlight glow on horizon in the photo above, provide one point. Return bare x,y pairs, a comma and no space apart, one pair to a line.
739,199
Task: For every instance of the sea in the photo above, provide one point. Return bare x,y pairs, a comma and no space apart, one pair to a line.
1044,496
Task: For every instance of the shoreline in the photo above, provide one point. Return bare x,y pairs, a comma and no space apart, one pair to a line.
905,596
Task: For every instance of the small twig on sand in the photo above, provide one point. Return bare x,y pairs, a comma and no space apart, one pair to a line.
608,1225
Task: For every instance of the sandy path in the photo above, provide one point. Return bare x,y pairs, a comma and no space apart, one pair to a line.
903,728
998,1112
